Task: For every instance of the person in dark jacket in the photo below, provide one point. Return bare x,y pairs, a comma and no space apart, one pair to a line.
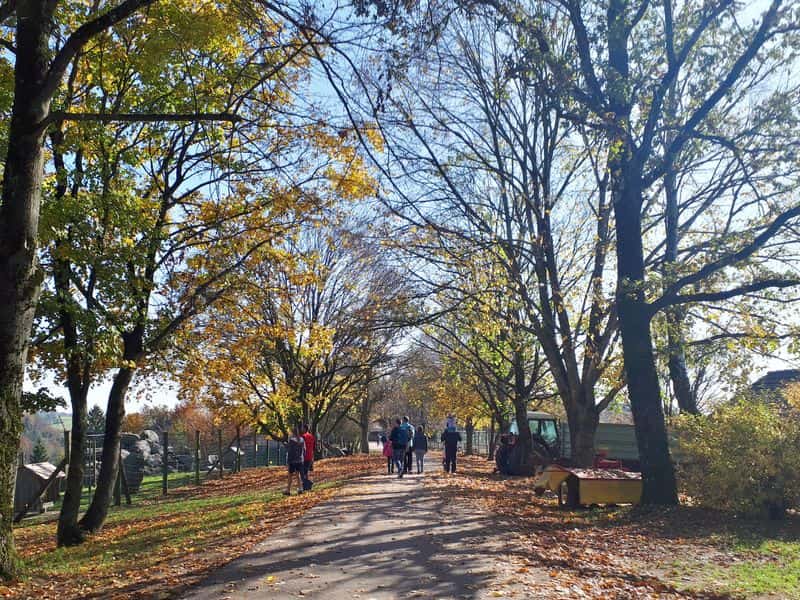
399,438
406,424
295,451
451,439
420,447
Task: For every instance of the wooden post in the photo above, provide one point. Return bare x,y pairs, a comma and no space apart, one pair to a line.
164,466
197,457
118,486
124,482
93,450
237,460
255,448
219,448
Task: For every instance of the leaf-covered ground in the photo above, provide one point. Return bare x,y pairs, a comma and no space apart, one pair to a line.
157,548
626,552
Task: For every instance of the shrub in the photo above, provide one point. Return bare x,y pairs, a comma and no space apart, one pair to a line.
745,457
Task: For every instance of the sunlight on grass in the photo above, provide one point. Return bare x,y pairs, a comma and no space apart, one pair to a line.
139,537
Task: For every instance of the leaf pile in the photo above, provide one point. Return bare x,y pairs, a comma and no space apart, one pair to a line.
158,548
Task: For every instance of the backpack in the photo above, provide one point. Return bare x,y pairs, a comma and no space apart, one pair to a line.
294,451
400,437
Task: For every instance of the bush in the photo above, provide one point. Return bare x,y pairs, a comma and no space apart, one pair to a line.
745,457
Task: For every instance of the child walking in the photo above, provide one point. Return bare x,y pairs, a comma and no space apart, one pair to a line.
388,452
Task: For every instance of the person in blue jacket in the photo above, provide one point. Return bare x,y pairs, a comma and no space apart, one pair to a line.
410,446
399,439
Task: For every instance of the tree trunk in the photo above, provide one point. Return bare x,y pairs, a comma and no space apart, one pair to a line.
492,442
20,277
524,442
658,475
364,423
469,428
69,533
582,419
676,353
109,467
678,373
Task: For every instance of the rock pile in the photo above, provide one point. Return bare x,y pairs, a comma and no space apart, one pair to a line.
141,455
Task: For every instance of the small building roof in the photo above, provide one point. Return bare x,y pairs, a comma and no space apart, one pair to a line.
539,414
43,470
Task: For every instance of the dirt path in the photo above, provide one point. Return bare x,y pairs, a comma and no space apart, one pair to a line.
381,538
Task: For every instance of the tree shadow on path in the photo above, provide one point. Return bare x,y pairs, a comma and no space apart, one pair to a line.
381,538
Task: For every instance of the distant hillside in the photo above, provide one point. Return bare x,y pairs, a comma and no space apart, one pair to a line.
49,427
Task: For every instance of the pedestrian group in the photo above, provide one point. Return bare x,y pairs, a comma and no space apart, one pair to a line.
405,442
300,458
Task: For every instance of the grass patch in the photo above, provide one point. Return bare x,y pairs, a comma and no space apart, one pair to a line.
143,537
157,547
768,567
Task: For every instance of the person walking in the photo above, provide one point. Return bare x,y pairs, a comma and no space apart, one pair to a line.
420,447
388,453
295,451
410,446
399,439
308,456
451,439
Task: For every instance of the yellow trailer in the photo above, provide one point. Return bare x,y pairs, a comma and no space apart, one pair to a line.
584,487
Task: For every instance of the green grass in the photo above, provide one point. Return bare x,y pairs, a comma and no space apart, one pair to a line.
756,565
139,537
770,566
150,488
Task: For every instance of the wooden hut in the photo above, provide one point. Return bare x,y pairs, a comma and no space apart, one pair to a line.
30,480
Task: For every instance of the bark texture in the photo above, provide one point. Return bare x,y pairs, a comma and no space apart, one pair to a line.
20,276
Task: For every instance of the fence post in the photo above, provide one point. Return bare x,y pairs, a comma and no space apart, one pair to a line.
164,466
219,448
255,448
124,482
237,461
66,448
197,457
118,486
94,465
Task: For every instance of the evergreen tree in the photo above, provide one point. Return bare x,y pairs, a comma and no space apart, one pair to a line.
96,420
39,453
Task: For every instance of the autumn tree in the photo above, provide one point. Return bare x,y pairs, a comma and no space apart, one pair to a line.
304,334
614,66
487,161
720,63
147,220
41,54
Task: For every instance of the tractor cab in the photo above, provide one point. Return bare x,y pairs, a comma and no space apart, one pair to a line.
544,428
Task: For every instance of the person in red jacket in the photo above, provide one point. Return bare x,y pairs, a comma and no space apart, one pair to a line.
308,459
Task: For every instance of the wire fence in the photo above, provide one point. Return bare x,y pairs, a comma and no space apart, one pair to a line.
153,463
